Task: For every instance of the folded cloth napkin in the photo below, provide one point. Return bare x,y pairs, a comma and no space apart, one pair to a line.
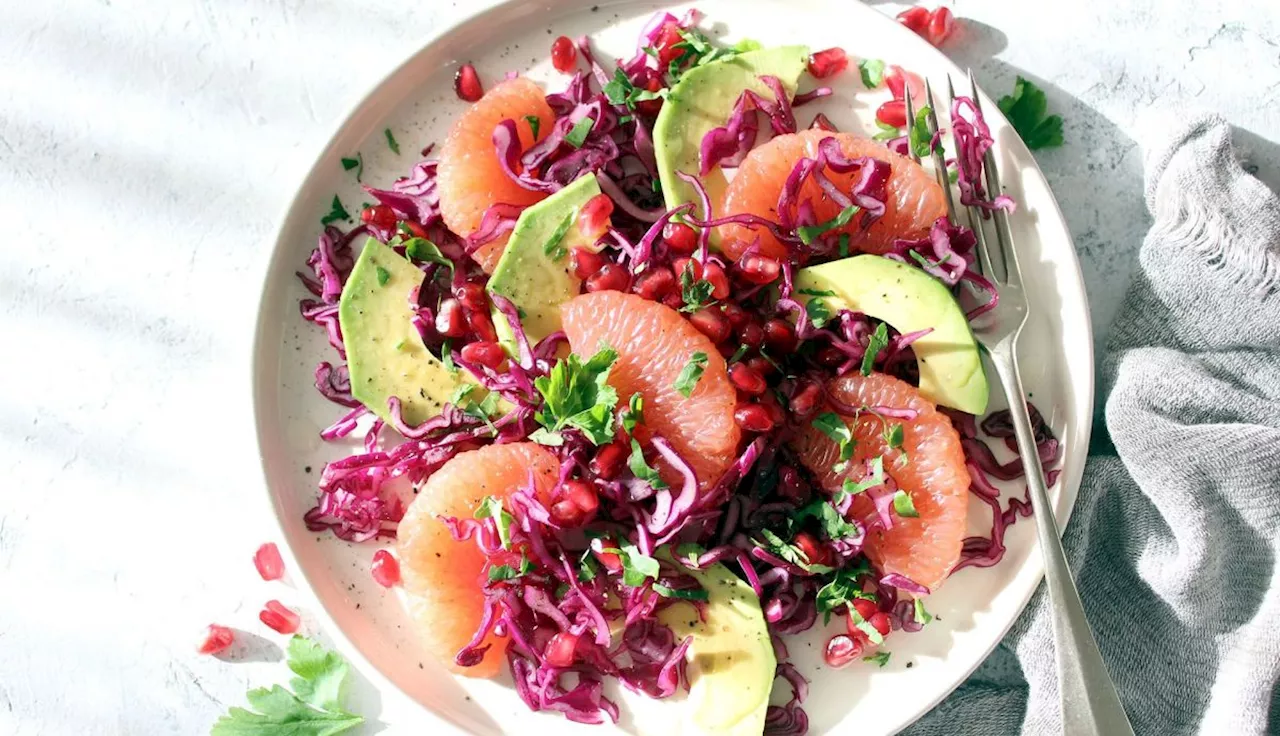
1175,536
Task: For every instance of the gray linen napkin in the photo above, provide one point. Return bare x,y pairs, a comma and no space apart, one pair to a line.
1175,536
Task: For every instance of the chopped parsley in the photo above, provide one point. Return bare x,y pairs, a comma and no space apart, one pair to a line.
620,91
507,572
691,594
872,71
737,354
425,251
843,588
356,163
642,469
819,312
887,132
637,567
878,341
922,616
491,508
391,142
695,292
383,275
691,374
633,414
1026,109
577,135
903,504
535,124
873,479
844,245
446,357
817,292
336,212
810,233
880,658
918,133
554,247
833,524
789,552
577,394
893,436
830,424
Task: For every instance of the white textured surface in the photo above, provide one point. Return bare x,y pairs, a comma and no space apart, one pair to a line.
146,147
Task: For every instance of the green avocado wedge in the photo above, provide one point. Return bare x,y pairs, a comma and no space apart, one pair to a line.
535,272
731,662
385,354
703,99
909,299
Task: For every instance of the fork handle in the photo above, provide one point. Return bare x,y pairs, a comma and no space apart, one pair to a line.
1090,703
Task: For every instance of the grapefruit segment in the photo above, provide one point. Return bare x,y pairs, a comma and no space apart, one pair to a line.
442,575
930,466
470,178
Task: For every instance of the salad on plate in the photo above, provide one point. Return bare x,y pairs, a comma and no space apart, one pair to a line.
652,375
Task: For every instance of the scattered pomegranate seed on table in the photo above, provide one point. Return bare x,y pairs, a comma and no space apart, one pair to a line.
841,650
564,55
385,569
467,83
941,24
279,617
893,113
268,561
216,639
915,18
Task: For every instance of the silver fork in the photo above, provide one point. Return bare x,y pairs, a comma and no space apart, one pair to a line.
1090,704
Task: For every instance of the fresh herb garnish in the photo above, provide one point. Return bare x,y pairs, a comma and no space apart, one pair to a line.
620,91
535,124
691,374
313,708
446,357
833,524
737,354
425,251
819,312
633,414
1026,109
887,132
336,212
391,142
918,133
872,479
830,424
873,634
354,163
817,292
577,394
894,435
637,566
810,233
872,71
491,508
695,292
843,588
553,247
691,594
789,552
880,658
844,245
642,469
922,616
383,275
507,572
903,504
577,135
878,341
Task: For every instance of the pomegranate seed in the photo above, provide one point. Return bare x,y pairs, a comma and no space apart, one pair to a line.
450,320
482,324
654,106
777,414
893,112
609,460
581,495
900,80
753,418
560,649
611,561
751,334
827,63
655,283
564,55
472,296
280,618
216,639
780,336
736,315
268,561
941,24
680,237
680,265
804,401
727,350
593,218
865,608
488,354
385,569
790,487
379,216
759,269
760,365
673,300
880,620
610,277
566,514
666,43
816,553
746,379
417,230
711,323
915,19
467,83
841,650
830,357
714,274
585,263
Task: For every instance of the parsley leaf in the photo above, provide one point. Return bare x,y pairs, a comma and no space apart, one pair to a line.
817,292
507,572
391,142
642,469
873,479
834,525
878,341
887,132
356,163
880,658
633,414
535,124
810,233
1026,109
553,248
872,71
446,357
844,245
695,292
383,275
789,552
577,135
577,394
620,91
312,709
336,212
918,133
637,566
690,594
691,374
819,312
893,436
922,616
903,504
491,508
830,424
842,588
423,250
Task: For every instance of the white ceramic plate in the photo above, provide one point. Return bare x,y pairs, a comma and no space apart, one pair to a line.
417,102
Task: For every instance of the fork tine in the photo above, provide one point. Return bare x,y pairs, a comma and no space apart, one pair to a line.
911,123
939,163
1003,237
975,217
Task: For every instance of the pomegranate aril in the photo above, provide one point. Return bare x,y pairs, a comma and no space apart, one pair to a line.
560,649
609,460
673,300
610,277
216,639
880,620
711,323
746,379
714,274
899,81
472,296
681,265
666,44
582,495
417,230
804,401
482,324
941,24
759,269
451,321
654,106
777,414
680,237
761,365
385,569
564,55
610,560
466,83
655,283
830,357
892,113
841,650
917,19
486,353
277,616
814,551
594,217
566,514
865,608
780,336
828,62
751,334
753,418
736,315
585,263
268,561
379,216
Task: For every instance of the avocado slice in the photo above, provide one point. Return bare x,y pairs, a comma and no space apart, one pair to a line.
909,299
731,663
384,352
534,271
703,99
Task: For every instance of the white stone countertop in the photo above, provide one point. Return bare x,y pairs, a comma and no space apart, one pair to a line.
146,148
